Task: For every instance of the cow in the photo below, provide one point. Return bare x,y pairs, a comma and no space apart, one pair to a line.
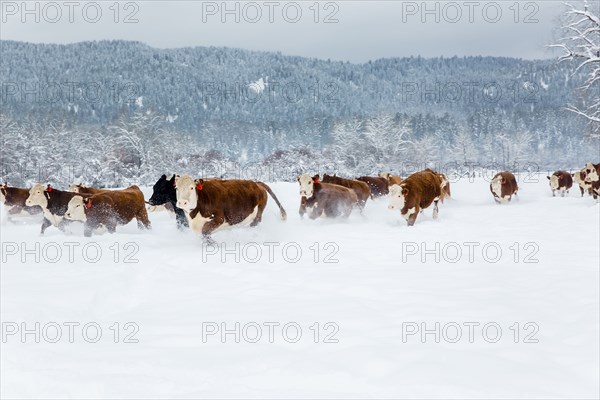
445,184
54,204
14,200
108,209
392,179
84,190
579,178
212,204
592,177
326,198
164,193
379,186
414,194
503,186
561,181
360,188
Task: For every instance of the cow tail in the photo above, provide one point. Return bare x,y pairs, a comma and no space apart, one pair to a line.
281,209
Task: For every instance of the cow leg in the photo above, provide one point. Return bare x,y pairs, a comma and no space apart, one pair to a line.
553,194
258,218
112,228
15,210
181,219
142,219
45,224
562,193
435,209
211,225
412,218
87,230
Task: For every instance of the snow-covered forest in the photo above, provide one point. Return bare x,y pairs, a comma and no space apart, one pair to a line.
116,112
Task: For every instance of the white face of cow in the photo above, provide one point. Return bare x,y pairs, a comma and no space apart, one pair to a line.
37,196
2,196
591,175
76,209
396,198
185,186
554,182
497,185
306,185
74,188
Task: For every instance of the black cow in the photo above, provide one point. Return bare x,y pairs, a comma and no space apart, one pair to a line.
164,191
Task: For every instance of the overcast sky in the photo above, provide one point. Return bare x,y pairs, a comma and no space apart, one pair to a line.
355,31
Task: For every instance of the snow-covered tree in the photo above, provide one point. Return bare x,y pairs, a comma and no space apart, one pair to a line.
581,45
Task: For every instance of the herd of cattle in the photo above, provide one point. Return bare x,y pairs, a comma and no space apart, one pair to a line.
205,205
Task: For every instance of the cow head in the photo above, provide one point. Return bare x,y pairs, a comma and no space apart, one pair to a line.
186,186
163,191
307,185
38,195
77,207
496,185
591,172
397,197
3,192
75,187
556,181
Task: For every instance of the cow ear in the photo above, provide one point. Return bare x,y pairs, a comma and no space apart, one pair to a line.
404,191
316,177
548,177
87,202
199,183
164,177
298,178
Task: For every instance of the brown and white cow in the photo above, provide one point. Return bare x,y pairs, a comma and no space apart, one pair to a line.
54,204
392,179
213,204
560,181
445,184
379,186
414,194
14,200
579,178
361,189
503,186
592,177
109,209
325,198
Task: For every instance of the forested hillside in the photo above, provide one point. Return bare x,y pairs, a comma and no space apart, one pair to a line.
240,106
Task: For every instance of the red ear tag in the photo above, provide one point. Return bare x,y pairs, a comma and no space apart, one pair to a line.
49,189
199,186
88,204
174,184
560,177
316,180
503,181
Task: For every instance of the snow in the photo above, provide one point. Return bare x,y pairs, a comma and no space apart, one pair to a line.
370,294
258,86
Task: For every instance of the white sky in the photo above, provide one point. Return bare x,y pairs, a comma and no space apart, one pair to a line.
364,29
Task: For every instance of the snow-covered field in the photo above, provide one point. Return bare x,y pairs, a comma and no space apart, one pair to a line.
354,297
